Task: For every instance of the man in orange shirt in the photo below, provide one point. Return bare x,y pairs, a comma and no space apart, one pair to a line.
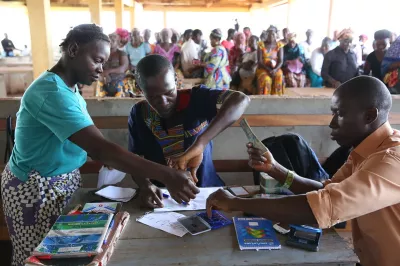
366,189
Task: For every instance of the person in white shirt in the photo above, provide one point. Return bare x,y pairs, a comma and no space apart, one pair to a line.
190,60
316,61
308,45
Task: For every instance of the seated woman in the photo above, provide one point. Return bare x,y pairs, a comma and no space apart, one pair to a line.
136,50
236,52
316,61
270,58
293,63
112,81
171,51
244,78
391,66
374,59
181,123
215,64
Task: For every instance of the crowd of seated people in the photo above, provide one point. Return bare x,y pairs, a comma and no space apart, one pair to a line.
256,66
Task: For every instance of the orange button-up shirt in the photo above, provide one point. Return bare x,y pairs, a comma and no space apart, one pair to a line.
367,190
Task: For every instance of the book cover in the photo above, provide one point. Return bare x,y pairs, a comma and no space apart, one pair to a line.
255,233
102,207
75,236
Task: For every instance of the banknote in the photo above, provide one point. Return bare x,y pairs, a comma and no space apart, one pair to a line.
251,136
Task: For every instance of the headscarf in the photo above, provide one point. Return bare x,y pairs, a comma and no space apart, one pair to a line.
292,36
392,55
167,30
216,33
236,38
382,34
272,28
123,35
345,34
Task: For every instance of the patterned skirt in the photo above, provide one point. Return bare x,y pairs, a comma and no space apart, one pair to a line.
31,207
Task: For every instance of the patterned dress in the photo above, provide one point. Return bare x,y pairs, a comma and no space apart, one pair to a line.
267,84
149,136
215,72
119,85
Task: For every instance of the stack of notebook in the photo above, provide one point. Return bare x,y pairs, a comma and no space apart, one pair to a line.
83,239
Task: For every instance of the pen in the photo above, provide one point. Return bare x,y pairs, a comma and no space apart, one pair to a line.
165,196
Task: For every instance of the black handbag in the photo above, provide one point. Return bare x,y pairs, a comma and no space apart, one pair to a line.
9,139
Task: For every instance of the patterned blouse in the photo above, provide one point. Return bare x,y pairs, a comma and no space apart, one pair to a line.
215,72
149,137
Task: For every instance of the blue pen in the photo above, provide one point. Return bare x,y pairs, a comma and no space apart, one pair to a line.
108,232
165,196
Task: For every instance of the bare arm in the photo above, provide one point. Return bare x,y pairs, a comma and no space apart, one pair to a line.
280,59
123,66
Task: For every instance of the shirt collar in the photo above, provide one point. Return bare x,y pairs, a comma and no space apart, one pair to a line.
373,141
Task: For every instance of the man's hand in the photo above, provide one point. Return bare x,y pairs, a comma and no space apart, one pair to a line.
150,196
336,84
259,161
191,159
181,186
220,200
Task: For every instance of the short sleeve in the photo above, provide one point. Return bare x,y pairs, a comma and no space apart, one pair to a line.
63,114
147,48
134,144
207,100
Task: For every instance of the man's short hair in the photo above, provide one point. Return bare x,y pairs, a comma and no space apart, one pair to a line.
150,66
197,32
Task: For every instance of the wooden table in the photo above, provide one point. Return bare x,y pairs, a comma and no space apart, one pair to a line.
142,245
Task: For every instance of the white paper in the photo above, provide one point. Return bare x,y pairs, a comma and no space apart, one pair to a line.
167,222
199,203
109,177
117,193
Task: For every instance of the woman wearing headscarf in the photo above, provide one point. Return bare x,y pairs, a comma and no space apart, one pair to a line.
236,52
136,48
215,63
171,51
374,59
112,82
123,37
293,63
270,58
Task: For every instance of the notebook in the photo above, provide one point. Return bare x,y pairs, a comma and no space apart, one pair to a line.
255,233
75,236
102,207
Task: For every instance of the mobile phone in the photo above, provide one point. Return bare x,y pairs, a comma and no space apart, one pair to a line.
239,191
195,225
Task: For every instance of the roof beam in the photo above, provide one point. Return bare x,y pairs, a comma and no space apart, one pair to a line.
214,8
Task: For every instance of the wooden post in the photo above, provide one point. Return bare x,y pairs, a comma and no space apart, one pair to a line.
165,18
42,52
119,11
132,12
95,11
330,18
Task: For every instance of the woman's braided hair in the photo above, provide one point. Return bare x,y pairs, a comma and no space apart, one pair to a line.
83,34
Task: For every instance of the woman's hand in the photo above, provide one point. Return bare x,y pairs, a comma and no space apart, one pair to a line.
191,159
259,161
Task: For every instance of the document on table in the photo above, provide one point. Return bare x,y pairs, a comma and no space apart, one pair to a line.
199,203
109,177
167,222
117,193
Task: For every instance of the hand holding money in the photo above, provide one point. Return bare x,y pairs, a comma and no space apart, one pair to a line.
259,160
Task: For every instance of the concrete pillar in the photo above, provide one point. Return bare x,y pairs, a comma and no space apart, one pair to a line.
95,11
42,52
132,13
165,18
119,11
289,14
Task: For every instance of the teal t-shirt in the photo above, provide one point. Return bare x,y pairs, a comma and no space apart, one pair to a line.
50,112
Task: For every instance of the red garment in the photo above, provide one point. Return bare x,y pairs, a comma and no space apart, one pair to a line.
234,57
227,44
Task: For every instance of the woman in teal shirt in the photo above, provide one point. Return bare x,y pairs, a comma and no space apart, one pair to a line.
53,135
